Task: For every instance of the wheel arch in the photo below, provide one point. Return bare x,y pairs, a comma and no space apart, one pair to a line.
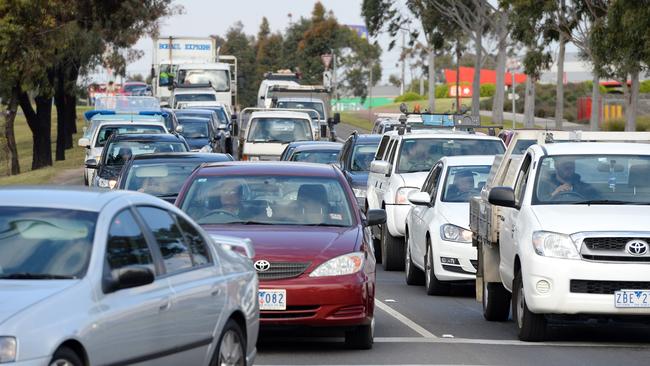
77,348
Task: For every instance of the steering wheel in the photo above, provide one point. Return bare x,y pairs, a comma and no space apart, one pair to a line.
567,195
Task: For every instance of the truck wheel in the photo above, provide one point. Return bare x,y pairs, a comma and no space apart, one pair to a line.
432,284
496,302
392,250
531,327
414,276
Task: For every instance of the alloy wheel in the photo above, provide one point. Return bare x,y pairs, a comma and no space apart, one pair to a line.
230,350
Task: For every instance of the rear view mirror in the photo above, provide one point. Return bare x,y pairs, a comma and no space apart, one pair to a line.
179,129
605,168
375,217
84,142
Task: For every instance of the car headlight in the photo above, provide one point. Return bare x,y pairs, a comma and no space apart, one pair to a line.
106,183
7,349
359,192
554,245
455,233
401,197
339,266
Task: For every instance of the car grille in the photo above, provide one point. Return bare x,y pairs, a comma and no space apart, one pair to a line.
609,243
283,270
606,287
292,312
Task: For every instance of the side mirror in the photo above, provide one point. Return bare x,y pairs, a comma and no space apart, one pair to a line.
179,129
241,246
403,108
129,277
262,97
84,142
337,118
222,126
502,196
323,132
420,198
380,167
91,164
375,217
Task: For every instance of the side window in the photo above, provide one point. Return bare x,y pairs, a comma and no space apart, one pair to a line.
435,180
173,247
522,180
126,245
382,147
198,246
343,156
393,149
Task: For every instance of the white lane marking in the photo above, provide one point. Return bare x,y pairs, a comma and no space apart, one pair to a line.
406,321
505,342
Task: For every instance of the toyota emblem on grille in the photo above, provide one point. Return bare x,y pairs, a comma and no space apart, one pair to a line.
637,247
262,265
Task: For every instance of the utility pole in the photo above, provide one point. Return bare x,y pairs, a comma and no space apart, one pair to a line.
514,111
370,95
458,76
402,56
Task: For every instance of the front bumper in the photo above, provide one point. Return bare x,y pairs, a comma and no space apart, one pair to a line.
45,361
396,219
559,273
463,253
328,301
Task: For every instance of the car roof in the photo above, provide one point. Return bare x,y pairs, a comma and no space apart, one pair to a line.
206,90
319,147
442,134
311,142
464,160
187,156
194,111
595,148
127,118
268,168
73,198
303,99
145,137
280,114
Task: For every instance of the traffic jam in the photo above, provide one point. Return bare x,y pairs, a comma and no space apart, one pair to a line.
206,232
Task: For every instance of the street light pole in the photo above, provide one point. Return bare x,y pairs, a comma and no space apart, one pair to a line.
514,115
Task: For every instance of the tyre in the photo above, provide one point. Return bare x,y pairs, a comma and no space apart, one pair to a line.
376,243
432,284
392,250
65,357
362,337
531,327
496,302
414,276
231,349
229,148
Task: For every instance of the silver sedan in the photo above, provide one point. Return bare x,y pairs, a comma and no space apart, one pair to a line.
114,278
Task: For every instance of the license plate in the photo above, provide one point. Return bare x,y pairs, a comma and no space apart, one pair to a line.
632,299
273,299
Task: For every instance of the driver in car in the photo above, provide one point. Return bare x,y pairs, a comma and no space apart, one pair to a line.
565,181
416,158
462,188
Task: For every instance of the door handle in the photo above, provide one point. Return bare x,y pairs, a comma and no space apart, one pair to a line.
167,303
215,292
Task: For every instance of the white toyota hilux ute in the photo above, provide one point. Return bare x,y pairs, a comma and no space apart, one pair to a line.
573,237
402,163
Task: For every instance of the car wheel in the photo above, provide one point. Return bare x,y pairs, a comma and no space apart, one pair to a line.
531,327
231,347
376,243
432,284
65,357
362,337
414,276
229,146
496,302
392,250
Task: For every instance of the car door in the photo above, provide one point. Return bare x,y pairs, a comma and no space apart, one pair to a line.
129,323
371,195
383,182
199,291
427,213
509,217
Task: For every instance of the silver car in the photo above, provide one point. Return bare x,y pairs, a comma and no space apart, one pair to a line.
115,278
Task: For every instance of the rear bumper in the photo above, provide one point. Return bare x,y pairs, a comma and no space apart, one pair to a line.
327,301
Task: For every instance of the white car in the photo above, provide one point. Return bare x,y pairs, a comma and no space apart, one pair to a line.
103,126
268,133
439,247
402,162
117,277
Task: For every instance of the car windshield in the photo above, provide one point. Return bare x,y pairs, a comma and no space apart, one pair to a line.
45,243
319,156
282,200
317,106
281,130
220,79
195,129
199,97
419,155
464,182
593,179
134,88
362,156
106,131
120,152
522,145
159,179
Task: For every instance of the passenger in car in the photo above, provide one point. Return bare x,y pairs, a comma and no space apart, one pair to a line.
313,204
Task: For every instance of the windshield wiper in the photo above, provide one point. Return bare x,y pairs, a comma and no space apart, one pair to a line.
171,195
610,202
323,224
35,276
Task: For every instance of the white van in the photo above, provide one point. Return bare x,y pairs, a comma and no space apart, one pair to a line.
269,132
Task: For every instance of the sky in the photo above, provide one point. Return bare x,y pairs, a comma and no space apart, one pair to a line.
205,17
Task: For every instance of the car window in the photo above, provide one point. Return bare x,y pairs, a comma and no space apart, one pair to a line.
172,244
126,245
106,131
281,130
464,182
418,155
522,180
435,179
362,157
393,149
198,246
382,147
118,153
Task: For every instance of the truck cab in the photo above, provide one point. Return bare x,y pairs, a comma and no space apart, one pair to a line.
268,132
566,232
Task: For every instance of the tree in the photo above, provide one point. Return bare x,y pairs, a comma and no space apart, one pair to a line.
237,43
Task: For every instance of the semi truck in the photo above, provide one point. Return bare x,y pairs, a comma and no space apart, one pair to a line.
191,61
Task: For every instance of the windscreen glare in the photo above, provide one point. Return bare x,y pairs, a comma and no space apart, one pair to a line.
159,179
282,200
593,179
193,129
120,152
280,130
107,131
45,243
419,155
320,156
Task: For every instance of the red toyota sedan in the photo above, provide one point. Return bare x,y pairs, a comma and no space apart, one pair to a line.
313,251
